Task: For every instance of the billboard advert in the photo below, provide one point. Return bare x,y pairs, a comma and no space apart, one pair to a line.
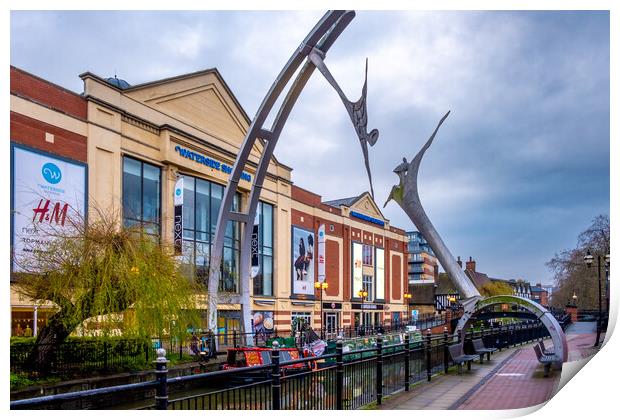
47,193
303,261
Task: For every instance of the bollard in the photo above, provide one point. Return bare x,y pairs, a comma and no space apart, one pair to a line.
275,376
161,375
407,367
234,338
428,355
339,374
379,368
446,358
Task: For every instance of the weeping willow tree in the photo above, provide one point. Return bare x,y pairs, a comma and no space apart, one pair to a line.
103,271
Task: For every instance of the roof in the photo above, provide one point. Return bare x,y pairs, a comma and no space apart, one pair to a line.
479,279
422,294
348,202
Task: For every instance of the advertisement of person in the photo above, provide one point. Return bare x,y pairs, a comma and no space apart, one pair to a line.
262,322
303,261
48,193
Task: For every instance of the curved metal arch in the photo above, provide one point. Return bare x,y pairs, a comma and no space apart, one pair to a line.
560,345
320,38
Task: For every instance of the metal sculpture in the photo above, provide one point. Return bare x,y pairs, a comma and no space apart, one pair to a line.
357,111
312,49
407,197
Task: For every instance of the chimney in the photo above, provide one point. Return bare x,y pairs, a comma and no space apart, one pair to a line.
459,262
470,265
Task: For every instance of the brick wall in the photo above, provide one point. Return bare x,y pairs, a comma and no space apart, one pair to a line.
41,91
332,267
31,132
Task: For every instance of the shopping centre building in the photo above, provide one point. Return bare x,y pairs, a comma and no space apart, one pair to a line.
123,147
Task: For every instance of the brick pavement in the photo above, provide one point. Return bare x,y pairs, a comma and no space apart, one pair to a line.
513,379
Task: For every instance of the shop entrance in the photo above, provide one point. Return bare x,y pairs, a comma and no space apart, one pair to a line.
331,322
227,322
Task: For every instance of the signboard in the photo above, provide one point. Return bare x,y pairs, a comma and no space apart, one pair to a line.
367,306
321,254
47,193
357,268
415,313
380,273
302,255
207,161
254,249
332,305
178,217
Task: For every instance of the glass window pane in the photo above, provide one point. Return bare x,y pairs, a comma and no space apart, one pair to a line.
151,192
202,205
267,278
267,228
188,202
217,192
132,189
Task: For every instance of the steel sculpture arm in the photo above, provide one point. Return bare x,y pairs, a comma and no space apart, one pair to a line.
320,39
406,195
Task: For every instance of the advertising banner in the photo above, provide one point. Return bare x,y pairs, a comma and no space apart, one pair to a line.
178,217
262,322
357,268
321,254
380,273
302,261
254,251
47,194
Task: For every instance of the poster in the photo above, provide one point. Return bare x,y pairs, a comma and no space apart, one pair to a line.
178,217
357,268
262,322
47,193
321,254
302,261
380,273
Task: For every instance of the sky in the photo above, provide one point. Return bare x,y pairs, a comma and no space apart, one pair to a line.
516,172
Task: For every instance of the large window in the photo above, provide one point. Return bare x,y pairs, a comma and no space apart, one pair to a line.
263,282
201,205
300,318
141,195
367,252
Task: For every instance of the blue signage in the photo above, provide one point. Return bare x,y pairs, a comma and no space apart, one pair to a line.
367,218
51,173
207,161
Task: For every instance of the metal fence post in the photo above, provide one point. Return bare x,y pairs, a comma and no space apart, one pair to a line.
446,359
161,375
407,367
339,374
428,355
105,355
275,376
379,368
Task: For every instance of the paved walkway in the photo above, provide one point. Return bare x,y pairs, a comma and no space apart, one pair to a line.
513,379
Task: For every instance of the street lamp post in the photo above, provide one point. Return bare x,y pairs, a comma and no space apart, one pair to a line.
320,286
589,259
362,294
407,296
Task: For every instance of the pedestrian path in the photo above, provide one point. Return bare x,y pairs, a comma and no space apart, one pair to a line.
512,379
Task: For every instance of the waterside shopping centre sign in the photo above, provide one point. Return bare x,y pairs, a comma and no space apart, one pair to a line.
207,161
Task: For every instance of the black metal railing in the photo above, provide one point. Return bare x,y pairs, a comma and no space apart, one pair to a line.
339,380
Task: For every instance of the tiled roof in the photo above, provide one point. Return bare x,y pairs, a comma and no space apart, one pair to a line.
348,202
479,279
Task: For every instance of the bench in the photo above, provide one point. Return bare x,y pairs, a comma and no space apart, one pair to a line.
458,357
481,350
544,350
545,359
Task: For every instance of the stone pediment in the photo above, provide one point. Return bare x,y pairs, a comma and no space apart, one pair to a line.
201,100
366,205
